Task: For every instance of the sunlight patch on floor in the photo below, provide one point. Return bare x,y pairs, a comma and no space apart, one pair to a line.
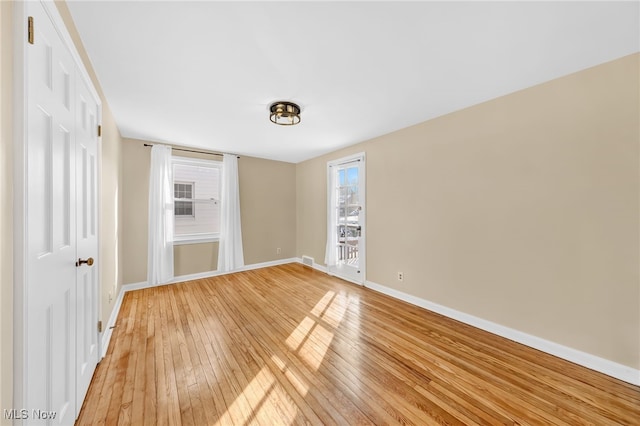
334,314
301,332
297,383
255,403
322,303
312,337
263,400
315,347
243,406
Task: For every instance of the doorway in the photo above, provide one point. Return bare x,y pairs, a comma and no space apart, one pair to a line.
346,213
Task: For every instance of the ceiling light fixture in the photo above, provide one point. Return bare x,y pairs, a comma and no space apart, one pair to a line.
284,113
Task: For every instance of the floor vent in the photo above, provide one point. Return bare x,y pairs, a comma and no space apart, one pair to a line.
307,261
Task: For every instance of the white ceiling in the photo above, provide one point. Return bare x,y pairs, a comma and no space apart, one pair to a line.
203,74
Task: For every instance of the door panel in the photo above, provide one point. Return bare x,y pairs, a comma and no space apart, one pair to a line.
87,238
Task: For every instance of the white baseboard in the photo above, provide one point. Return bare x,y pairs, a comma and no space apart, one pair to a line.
106,336
208,274
610,368
316,266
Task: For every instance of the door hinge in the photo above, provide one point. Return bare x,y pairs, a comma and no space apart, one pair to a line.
99,130
30,29
99,326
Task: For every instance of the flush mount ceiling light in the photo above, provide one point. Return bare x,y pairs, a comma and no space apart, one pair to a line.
284,113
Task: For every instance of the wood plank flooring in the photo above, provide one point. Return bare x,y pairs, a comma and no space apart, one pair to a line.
290,345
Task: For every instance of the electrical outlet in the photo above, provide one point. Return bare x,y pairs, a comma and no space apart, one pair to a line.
400,276
278,250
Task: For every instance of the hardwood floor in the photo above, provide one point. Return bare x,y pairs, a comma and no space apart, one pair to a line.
290,345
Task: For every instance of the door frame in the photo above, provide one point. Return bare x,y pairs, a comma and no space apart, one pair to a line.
20,134
362,191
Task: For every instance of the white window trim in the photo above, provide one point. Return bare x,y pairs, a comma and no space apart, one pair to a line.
211,237
196,239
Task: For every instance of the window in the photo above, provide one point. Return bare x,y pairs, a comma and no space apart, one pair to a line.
196,192
183,191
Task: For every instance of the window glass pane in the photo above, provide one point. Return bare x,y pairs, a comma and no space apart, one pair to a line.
352,195
343,196
183,208
183,190
352,176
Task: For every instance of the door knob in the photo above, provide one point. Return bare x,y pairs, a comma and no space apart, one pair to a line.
88,261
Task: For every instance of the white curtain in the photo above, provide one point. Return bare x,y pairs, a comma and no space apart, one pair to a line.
160,256
330,255
230,253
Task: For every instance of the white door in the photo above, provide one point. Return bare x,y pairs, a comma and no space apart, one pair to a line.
51,233
60,306
87,112
346,212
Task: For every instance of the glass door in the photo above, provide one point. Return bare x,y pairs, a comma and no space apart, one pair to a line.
346,219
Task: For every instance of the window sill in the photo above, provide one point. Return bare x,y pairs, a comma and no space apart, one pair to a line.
195,239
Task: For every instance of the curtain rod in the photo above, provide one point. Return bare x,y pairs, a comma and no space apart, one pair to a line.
191,150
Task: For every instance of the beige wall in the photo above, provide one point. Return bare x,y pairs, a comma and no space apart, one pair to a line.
268,206
194,258
268,211
135,201
522,210
6,211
